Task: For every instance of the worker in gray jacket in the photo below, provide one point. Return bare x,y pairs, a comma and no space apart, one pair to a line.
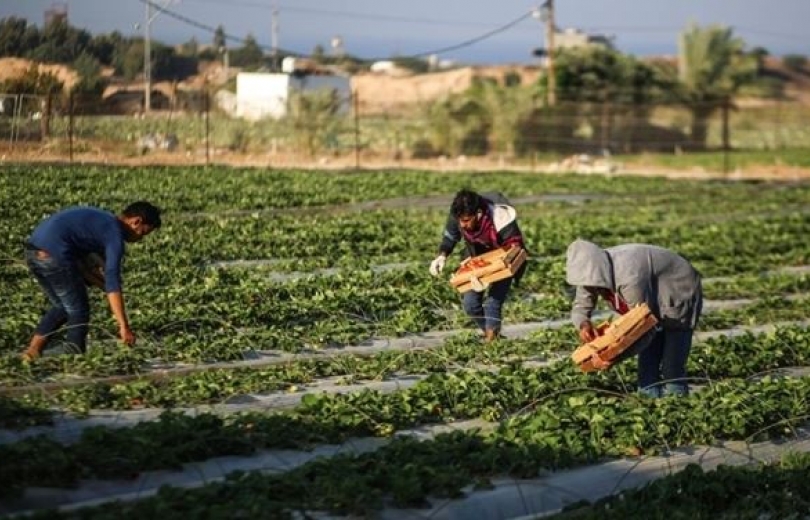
629,275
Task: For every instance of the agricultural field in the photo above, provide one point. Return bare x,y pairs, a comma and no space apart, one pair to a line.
295,359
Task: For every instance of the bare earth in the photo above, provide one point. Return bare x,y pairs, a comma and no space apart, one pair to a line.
464,164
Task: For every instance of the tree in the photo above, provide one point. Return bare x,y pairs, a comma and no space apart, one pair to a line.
597,74
129,61
318,53
605,97
60,43
249,55
315,119
795,62
17,37
456,126
502,109
712,66
415,65
169,65
88,90
105,47
759,54
190,48
219,38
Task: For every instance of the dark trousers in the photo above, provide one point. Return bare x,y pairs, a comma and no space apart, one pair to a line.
662,364
67,293
485,307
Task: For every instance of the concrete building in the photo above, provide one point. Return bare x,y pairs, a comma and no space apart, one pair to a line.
573,38
260,95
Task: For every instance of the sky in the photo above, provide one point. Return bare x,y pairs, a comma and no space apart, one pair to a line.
467,31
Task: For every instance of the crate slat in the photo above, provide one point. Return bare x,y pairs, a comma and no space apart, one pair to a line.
617,337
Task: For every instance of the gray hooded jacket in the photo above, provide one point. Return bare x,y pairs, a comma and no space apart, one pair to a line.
639,273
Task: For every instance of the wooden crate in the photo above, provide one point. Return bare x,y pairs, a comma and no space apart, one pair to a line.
616,338
489,267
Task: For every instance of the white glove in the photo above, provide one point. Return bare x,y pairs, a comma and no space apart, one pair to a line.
477,285
437,265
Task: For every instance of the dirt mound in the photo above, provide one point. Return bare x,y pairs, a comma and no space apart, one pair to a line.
12,68
381,93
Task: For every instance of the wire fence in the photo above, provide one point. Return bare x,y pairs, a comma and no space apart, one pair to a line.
357,134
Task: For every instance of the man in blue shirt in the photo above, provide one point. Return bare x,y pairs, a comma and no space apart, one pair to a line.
55,252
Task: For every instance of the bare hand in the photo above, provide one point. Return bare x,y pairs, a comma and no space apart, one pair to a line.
586,332
600,363
127,336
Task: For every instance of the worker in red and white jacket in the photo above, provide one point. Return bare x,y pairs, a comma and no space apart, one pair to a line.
485,222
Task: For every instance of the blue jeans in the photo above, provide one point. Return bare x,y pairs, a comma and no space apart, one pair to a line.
67,293
662,365
485,307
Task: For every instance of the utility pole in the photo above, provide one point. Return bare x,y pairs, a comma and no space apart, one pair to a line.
552,79
274,36
545,13
147,51
147,59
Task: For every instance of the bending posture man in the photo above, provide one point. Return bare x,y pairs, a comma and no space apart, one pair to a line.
54,254
485,223
631,274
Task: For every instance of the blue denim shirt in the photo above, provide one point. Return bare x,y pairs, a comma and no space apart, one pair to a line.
74,232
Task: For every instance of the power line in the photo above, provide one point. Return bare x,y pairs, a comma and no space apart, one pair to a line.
205,27
354,15
477,39
466,43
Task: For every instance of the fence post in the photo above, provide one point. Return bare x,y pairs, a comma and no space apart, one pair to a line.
356,99
70,126
778,141
15,119
604,121
206,108
45,118
726,135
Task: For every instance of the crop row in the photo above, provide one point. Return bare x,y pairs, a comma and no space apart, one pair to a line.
322,316
185,310
508,394
560,431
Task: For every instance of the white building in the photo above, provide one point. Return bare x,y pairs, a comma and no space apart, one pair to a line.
574,38
260,95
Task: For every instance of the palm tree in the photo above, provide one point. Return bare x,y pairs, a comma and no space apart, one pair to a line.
503,108
453,126
315,119
712,66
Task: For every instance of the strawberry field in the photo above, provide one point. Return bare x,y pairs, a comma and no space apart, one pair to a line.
295,358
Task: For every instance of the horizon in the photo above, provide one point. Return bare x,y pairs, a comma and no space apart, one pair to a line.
474,34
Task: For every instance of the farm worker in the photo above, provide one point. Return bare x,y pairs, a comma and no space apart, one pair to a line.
54,253
629,275
485,222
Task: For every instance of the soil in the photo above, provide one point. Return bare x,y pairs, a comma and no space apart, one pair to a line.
39,153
